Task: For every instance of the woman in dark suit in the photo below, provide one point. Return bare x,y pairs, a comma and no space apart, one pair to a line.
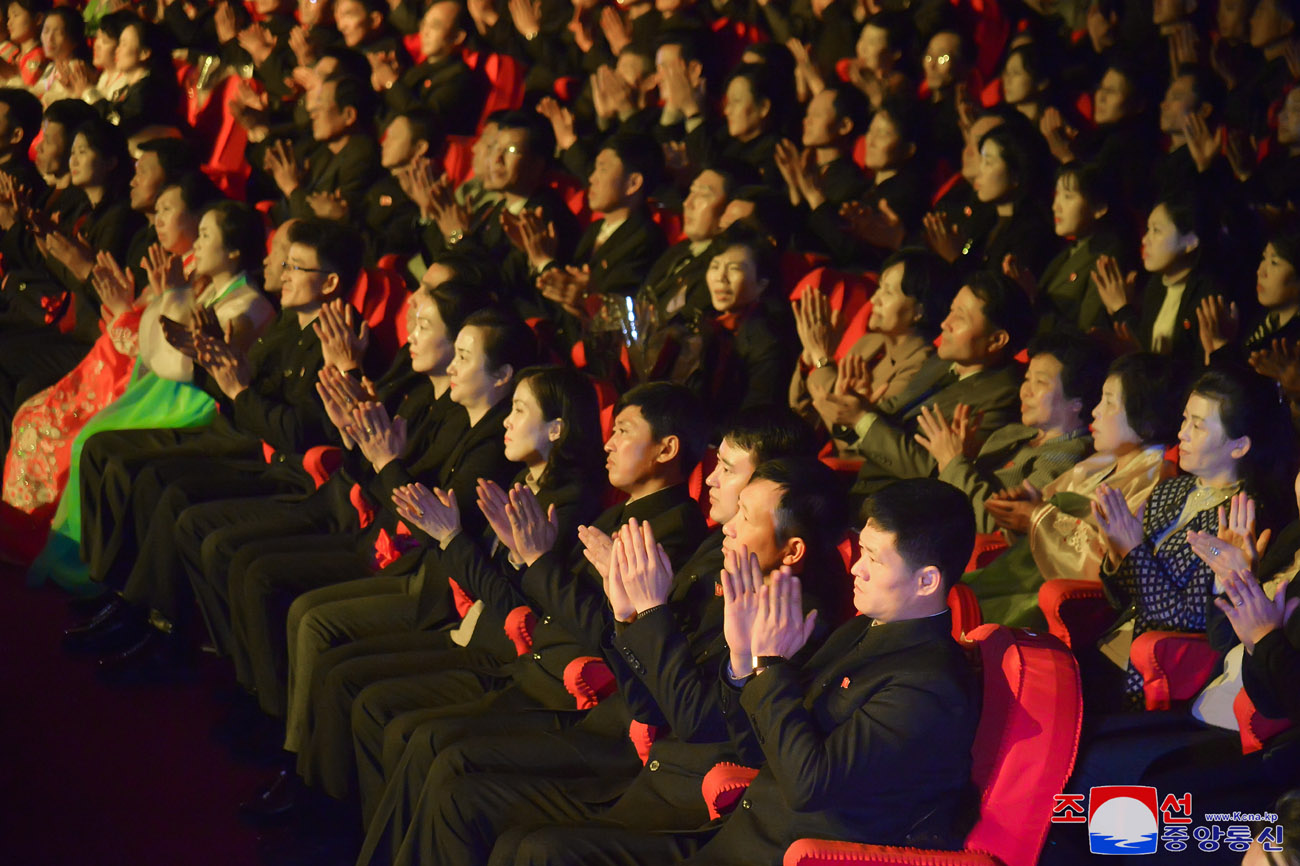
752,347
553,430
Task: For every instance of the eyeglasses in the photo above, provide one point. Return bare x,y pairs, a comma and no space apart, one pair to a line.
941,60
290,266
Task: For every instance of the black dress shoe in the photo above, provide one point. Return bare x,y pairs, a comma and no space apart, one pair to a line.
91,604
114,632
153,658
106,610
277,800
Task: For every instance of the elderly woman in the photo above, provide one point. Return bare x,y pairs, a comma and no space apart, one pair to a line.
915,292
1052,530
1228,443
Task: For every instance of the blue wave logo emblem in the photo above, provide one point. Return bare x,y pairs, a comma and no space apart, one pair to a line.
1121,823
1100,844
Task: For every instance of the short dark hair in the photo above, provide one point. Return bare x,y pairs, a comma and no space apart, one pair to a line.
424,126
1083,364
639,154
507,339
771,214
541,137
112,24
352,93
1004,305
455,301
1153,388
897,27
567,394
71,114
350,63
1286,243
851,103
1096,186
374,6
770,433
908,121
175,156
1209,88
198,193
469,269
761,250
24,111
1025,153
734,174
107,140
933,524
1251,405
928,279
814,504
671,410
338,249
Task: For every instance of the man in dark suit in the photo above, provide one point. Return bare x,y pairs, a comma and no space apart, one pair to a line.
675,285
341,163
518,170
870,740
666,668
975,366
615,251
441,83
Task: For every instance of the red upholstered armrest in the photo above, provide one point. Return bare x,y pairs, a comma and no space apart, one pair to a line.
520,623
965,607
1174,665
589,680
1256,729
321,462
724,785
988,547
1077,611
845,465
819,852
460,598
643,736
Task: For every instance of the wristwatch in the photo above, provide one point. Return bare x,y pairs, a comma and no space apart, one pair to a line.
761,662
455,237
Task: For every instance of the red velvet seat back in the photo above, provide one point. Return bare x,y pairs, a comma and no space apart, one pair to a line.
1026,742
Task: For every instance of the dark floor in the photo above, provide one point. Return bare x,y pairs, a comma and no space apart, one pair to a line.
101,775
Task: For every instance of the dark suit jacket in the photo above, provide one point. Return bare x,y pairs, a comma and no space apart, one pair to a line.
677,280
447,88
348,172
1186,342
281,406
748,366
1067,292
570,601
869,741
457,457
617,267
621,262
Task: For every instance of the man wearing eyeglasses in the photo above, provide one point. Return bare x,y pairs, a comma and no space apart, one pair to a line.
268,398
